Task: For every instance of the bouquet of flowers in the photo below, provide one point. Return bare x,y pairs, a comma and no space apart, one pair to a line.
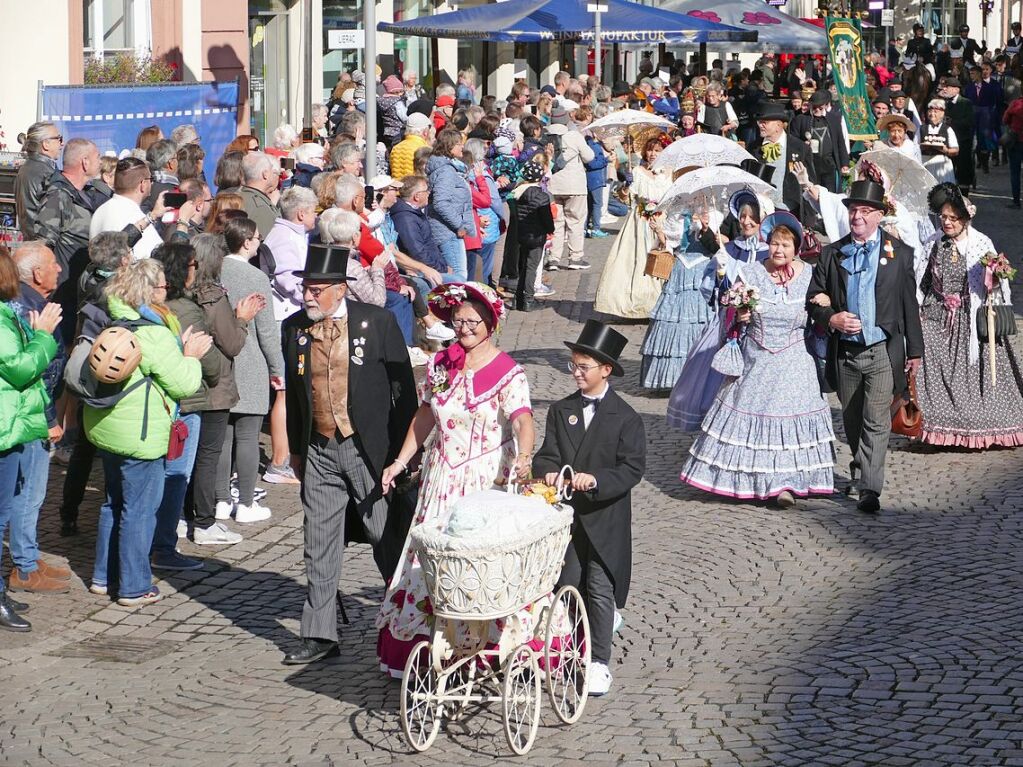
647,207
998,267
542,490
741,297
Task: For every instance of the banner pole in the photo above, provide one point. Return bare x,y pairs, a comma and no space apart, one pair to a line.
369,23
39,100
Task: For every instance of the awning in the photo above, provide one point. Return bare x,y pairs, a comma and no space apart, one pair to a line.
779,32
534,21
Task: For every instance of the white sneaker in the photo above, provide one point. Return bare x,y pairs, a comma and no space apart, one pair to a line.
619,621
224,510
440,332
254,513
417,356
598,678
215,535
182,529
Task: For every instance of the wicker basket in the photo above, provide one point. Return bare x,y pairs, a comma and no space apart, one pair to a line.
495,581
659,264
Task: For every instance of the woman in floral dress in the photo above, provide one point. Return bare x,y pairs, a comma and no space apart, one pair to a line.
960,406
475,409
768,433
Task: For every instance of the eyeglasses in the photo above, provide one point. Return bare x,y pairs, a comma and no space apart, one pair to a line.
316,292
950,219
159,287
470,324
58,137
584,369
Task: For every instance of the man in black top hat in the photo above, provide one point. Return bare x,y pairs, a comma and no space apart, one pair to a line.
827,140
602,438
874,330
350,399
959,113
919,47
777,149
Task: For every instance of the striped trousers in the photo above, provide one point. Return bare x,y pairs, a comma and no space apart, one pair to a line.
865,390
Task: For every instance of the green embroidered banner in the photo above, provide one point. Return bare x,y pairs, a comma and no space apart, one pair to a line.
845,46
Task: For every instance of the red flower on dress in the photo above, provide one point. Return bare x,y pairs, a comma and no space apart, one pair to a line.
706,16
399,598
759,18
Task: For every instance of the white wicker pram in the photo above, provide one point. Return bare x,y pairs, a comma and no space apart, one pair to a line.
469,581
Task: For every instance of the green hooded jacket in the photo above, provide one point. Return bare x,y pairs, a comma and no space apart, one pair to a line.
24,356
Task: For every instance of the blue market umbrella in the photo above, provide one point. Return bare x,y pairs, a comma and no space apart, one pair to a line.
535,21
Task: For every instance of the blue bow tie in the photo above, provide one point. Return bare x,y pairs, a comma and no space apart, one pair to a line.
856,256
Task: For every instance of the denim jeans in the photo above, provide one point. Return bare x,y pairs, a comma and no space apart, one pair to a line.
399,306
596,200
453,251
10,470
124,532
35,471
486,257
1015,159
176,476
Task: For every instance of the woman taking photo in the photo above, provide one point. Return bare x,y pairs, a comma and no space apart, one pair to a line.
768,433
475,411
132,436
624,290
26,350
960,404
450,211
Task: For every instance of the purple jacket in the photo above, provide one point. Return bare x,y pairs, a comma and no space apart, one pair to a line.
288,242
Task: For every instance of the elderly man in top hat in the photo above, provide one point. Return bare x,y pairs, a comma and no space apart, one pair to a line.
863,290
959,113
350,399
778,149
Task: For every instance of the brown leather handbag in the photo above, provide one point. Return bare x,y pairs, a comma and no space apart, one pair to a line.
907,419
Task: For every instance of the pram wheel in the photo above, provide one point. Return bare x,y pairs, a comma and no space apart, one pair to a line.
420,699
521,699
566,654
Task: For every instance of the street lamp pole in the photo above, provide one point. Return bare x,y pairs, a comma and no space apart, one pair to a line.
369,59
596,9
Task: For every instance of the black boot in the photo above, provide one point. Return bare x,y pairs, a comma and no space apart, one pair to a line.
9,619
312,650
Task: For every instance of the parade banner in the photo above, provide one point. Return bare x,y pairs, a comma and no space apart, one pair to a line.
845,47
112,115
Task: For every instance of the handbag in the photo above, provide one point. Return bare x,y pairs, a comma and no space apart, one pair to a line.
1005,322
178,437
907,419
1008,139
810,248
659,264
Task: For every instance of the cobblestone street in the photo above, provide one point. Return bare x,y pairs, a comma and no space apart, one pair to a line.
753,636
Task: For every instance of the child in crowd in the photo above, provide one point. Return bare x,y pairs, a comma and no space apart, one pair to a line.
602,438
534,224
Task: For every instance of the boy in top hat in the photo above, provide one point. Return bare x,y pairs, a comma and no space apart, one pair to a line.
602,438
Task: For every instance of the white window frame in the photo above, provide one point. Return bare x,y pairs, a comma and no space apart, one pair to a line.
141,29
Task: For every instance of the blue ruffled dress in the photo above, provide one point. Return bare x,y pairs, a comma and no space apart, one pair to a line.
698,382
677,319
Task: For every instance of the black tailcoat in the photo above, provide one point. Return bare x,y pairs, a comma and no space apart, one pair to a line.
795,150
381,391
897,311
613,450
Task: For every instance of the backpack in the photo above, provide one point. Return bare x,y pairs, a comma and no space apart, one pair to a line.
264,261
559,162
79,378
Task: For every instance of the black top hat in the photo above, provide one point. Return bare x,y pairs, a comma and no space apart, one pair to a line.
602,343
820,98
759,169
866,193
621,88
951,81
772,110
326,263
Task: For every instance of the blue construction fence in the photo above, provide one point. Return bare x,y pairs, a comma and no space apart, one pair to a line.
112,115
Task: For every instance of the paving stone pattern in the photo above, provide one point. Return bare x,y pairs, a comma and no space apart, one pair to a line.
754,636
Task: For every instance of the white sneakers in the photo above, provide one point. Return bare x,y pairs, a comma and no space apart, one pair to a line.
619,621
182,529
248,514
224,510
440,332
215,535
598,678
